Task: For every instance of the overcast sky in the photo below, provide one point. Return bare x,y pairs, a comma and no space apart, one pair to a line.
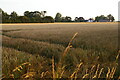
73,8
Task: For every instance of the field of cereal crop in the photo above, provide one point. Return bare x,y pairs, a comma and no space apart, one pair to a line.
92,53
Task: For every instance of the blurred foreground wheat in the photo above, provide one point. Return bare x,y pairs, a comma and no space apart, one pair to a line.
58,69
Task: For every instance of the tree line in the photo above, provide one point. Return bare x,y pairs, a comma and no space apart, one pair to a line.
28,17
101,18
40,17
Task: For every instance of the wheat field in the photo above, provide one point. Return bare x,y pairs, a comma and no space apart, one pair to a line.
60,50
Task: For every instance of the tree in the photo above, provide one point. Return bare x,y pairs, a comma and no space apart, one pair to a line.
13,16
29,17
110,17
97,19
66,19
80,19
23,19
76,19
48,19
101,18
58,17
37,16
5,17
26,13
33,16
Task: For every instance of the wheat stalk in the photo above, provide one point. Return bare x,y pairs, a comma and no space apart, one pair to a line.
112,72
86,71
107,75
28,75
117,57
72,74
64,54
92,69
11,76
43,74
95,76
20,67
85,76
75,72
69,44
100,72
62,73
53,68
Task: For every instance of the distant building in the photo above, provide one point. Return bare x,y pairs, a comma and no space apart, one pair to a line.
103,20
89,20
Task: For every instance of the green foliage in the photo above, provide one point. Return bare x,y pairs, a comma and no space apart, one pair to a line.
66,19
58,17
109,18
40,17
23,19
29,17
48,19
80,19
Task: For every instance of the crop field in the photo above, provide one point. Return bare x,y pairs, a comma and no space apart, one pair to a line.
60,50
